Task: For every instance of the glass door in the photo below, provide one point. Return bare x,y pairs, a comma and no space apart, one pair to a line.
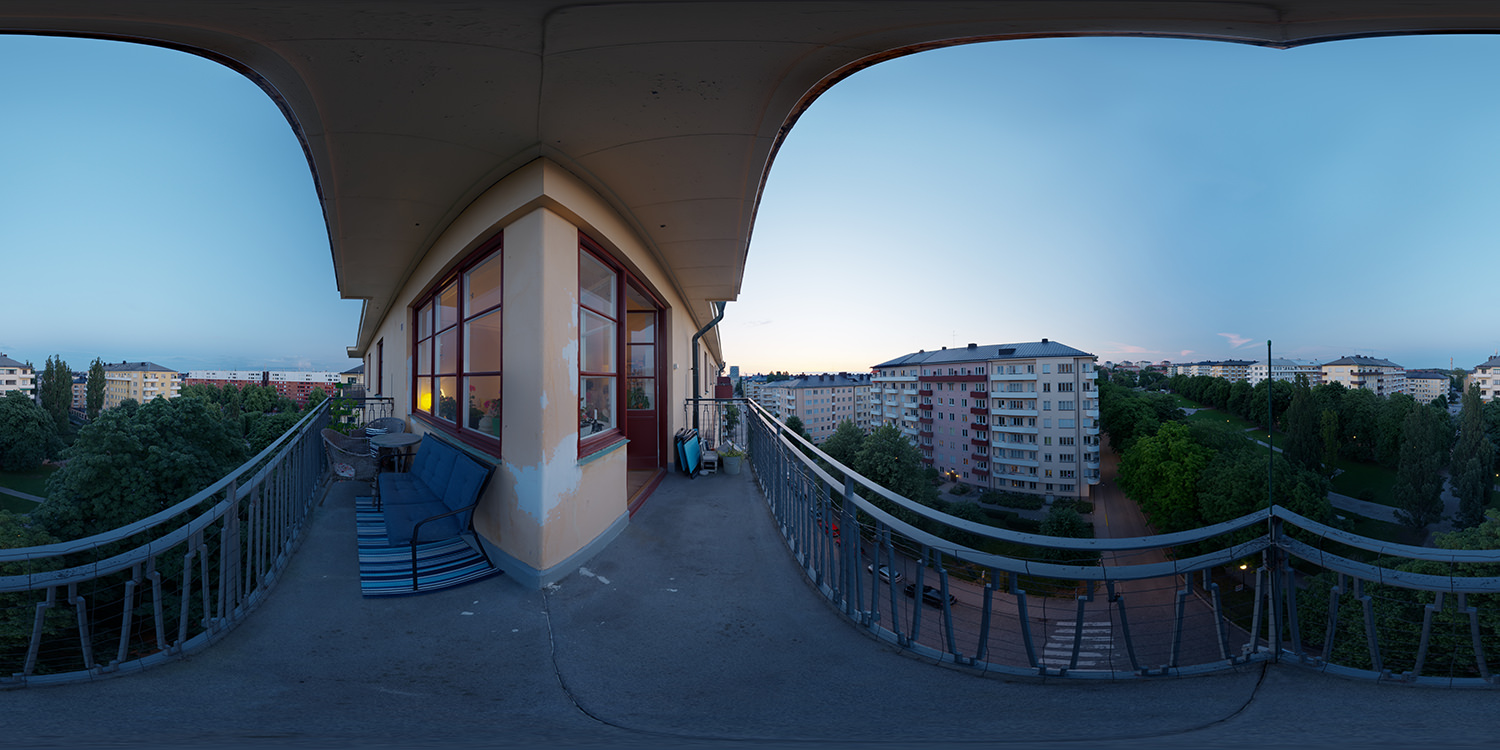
642,418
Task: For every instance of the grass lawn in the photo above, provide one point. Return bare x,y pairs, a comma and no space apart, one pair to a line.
1214,415
1366,482
31,483
1383,530
1184,403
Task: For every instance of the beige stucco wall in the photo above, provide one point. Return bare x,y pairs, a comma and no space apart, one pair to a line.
544,506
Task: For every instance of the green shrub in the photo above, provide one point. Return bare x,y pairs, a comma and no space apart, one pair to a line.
1017,500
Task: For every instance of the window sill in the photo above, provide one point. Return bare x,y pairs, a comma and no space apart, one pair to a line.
600,447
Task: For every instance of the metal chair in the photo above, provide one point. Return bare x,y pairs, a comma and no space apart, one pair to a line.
349,456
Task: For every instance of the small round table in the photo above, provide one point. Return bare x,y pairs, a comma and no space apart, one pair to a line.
397,442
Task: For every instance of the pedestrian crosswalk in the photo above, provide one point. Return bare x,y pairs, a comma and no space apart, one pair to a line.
1095,644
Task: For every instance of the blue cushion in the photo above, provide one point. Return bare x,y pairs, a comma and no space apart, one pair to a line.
439,466
400,521
463,486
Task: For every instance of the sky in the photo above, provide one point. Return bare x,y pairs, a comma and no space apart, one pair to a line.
1137,199
156,206
1134,198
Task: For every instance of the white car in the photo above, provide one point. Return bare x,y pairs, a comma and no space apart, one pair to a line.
885,573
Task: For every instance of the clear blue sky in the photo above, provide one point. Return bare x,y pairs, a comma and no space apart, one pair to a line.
1135,198
156,206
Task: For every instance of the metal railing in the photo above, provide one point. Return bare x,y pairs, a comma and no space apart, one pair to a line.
164,586
720,422
1271,586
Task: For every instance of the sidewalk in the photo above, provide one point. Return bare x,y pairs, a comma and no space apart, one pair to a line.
694,629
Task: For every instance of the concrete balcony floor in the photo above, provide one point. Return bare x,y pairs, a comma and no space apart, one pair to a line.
695,628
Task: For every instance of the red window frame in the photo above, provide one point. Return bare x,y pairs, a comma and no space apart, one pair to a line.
624,281
461,372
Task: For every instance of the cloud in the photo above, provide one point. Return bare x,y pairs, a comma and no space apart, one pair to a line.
1118,348
1235,340
1184,352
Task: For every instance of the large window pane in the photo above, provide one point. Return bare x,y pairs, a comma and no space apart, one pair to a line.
596,406
642,394
482,343
640,327
484,404
447,407
424,394
447,352
596,284
448,307
484,286
642,361
424,321
424,357
596,342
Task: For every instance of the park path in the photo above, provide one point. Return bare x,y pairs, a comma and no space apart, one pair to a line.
22,495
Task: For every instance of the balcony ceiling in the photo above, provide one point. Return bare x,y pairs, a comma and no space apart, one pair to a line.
409,109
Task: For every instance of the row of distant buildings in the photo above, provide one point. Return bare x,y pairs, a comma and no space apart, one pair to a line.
1018,417
144,381
1369,373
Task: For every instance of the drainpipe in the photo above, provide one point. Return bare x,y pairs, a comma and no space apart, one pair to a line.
718,316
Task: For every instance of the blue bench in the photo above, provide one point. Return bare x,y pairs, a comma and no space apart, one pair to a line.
435,500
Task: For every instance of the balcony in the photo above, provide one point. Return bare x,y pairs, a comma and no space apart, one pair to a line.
979,410
1017,430
925,420
979,441
924,391
979,394
980,472
925,429
1008,377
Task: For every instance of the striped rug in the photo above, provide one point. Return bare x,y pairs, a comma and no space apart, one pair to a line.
386,571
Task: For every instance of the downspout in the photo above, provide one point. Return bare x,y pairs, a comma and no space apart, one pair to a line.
718,316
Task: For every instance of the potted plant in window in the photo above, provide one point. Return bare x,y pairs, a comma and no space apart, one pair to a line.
490,422
731,456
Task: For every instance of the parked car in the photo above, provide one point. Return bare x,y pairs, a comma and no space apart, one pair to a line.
885,572
930,595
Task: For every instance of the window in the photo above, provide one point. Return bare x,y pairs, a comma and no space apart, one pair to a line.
598,337
379,366
458,344
1065,387
1065,406
1064,369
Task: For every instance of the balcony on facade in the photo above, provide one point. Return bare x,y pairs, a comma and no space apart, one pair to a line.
925,429
979,410
924,391
1011,376
979,441
977,425
979,394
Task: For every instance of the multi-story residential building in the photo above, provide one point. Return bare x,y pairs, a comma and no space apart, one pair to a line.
1285,370
1487,377
1382,376
141,381
1233,370
16,376
80,390
294,385
1427,385
820,401
1018,417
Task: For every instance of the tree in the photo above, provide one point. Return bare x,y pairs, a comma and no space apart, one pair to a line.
56,391
1392,410
1063,521
1328,429
888,459
27,434
136,460
1473,462
1359,413
1300,423
1161,473
1419,485
844,444
94,397
316,397
795,426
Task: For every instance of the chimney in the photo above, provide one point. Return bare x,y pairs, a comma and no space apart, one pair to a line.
1044,341
972,345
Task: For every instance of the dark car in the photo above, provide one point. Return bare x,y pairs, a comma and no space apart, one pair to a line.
930,595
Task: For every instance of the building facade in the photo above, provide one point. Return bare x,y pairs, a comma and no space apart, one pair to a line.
295,385
1382,376
16,376
821,401
1427,385
141,381
1487,377
1286,370
1016,417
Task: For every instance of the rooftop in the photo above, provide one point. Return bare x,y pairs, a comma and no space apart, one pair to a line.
977,353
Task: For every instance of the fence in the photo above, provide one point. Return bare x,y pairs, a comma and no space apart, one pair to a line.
163,586
1270,586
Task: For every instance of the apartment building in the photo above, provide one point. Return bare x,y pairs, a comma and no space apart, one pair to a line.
80,390
1018,417
1285,370
1487,377
141,381
1382,376
294,385
16,376
821,401
1426,385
